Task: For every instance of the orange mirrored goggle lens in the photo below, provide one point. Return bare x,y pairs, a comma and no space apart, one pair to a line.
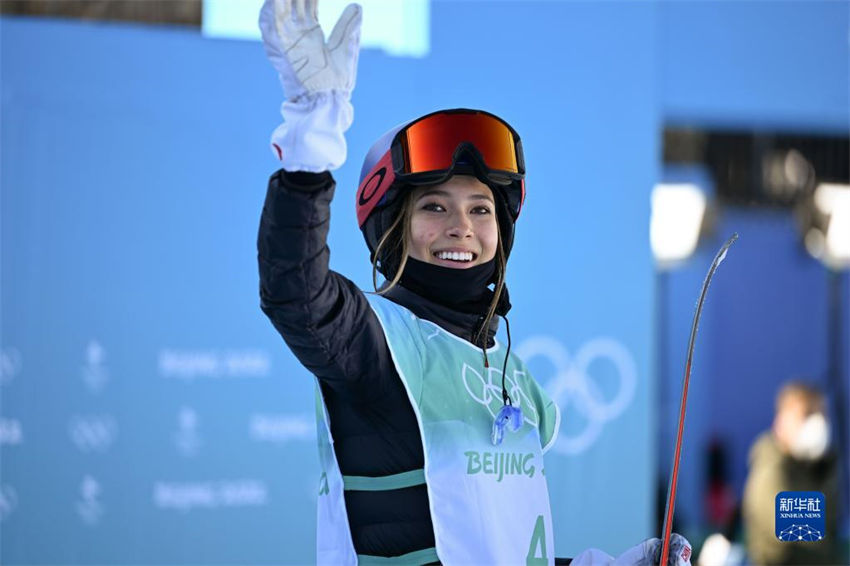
430,143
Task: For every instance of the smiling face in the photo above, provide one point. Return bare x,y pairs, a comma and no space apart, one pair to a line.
453,224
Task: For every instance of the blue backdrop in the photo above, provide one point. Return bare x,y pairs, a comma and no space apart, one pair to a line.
150,413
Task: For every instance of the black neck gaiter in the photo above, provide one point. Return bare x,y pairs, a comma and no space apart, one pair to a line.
464,290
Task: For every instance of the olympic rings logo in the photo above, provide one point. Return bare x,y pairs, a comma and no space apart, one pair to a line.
488,392
575,389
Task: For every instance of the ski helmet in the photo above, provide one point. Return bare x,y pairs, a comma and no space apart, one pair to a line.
429,150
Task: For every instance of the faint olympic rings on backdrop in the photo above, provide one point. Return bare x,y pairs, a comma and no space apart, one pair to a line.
488,392
574,388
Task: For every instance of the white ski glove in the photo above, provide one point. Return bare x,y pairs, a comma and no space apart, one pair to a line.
317,79
647,553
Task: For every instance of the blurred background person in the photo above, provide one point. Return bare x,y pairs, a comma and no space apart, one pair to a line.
795,455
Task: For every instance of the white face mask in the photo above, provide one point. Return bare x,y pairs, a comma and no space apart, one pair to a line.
812,440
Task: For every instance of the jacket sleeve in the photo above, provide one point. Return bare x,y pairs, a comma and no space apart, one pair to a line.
324,318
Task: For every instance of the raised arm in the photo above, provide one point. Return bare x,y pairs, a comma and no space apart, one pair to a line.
322,316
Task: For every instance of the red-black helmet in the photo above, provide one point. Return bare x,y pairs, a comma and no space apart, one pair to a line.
429,150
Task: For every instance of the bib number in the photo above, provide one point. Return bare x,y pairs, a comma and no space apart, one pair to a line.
537,549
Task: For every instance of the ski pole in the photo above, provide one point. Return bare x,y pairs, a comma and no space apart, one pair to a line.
671,488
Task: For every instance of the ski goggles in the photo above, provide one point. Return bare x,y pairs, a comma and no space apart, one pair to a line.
432,148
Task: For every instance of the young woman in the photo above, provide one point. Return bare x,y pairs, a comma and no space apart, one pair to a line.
431,432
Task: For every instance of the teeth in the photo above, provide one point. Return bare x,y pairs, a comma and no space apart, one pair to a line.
455,256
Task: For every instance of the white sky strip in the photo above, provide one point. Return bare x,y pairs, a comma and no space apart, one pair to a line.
399,28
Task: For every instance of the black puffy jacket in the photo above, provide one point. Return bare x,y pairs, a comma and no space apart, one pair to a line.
328,324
